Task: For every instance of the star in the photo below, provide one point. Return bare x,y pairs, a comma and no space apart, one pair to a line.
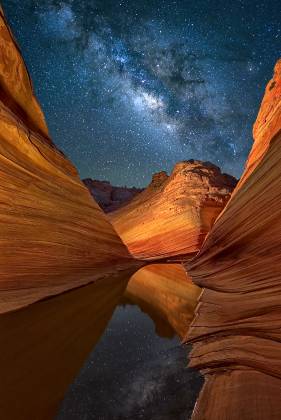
148,82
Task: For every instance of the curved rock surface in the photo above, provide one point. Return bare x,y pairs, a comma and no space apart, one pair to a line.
109,197
53,236
172,216
15,84
267,124
237,327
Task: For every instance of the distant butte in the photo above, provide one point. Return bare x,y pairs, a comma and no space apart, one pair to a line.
172,216
108,197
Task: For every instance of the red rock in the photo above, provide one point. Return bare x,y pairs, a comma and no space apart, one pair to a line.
237,327
172,216
16,87
108,197
53,236
267,124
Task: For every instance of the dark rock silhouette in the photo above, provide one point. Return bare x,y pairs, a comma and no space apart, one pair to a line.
108,197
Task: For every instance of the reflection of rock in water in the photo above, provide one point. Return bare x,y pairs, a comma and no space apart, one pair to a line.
166,293
44,345
162,327
133,374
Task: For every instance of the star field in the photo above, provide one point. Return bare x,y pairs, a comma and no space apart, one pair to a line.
131,87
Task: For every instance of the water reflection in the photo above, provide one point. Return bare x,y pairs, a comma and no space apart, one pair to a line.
44,346
166,294
134,373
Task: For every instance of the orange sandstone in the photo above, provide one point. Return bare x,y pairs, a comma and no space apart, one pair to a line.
268,122
236,332
53,236
16,90
172,216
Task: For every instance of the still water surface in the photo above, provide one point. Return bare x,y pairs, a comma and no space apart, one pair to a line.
110,350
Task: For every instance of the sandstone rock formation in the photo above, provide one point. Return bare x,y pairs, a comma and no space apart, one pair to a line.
237,327
172,216
167,294
16,90
108,197
268,122
53,235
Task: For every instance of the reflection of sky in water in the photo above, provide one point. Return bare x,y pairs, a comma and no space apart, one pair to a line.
132,374
131,371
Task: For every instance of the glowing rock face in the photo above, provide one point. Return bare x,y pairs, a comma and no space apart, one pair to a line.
15,85
268,122
237,328
53,236
171,217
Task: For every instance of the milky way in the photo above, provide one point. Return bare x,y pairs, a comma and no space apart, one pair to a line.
131,87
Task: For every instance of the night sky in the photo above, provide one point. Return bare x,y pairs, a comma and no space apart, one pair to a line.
131,87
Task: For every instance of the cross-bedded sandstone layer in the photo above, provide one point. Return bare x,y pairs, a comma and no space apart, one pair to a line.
53,236
172,216
236,331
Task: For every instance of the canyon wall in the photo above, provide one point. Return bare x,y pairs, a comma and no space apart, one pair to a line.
236,331
171,217
53,236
